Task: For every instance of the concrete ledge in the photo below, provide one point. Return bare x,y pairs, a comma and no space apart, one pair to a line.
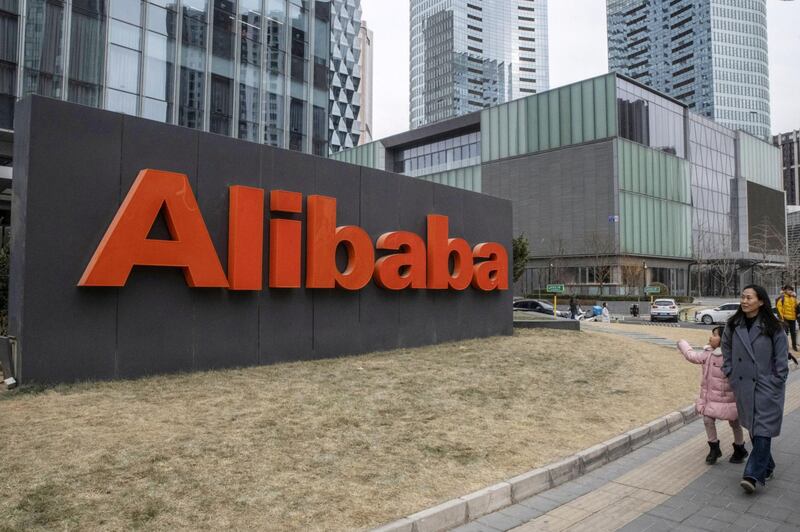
639,437
447,515
487,500
561,325
529,484
470,507
593,457
674,421
689,413
565,470
658,428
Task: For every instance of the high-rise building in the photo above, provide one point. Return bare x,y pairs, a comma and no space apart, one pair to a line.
467,55
711,56
365,64
346,75
789,143
251,69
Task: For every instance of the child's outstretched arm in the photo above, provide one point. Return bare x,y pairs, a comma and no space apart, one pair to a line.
690,354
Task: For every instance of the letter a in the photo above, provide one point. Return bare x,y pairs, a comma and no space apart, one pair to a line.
126,245
490,274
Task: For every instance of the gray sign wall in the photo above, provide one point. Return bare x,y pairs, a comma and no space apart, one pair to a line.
73,167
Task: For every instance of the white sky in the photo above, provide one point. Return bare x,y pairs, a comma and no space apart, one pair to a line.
578,51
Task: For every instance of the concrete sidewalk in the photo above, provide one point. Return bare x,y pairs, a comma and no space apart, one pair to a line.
666,485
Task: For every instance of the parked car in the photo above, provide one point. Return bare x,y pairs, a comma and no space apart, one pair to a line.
664,309
718,314
542,307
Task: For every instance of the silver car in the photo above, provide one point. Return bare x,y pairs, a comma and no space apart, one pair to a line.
718,314
664,309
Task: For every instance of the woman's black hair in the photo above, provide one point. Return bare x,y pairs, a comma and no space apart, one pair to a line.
768,320
718,330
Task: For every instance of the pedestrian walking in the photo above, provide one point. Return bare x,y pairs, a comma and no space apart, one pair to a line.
606,314
573,308
786,303
716,399
755,361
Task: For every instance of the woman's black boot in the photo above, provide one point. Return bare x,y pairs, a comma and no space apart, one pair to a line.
713,452
739,454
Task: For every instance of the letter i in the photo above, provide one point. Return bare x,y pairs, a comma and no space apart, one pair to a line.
245,238
284,240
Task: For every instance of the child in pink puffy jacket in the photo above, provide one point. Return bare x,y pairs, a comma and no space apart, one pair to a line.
716,399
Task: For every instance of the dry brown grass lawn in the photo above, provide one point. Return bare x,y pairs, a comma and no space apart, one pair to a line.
330,445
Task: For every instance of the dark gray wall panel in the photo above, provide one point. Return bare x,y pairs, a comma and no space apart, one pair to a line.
74,166
156,308
380,213
415,201
228,336
336,312
281,309
80,192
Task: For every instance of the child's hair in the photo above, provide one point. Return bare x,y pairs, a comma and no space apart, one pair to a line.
718,330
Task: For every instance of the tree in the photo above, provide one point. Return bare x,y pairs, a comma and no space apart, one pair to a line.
632,274
520,255
600,247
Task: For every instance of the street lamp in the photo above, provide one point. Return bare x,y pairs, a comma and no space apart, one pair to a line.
644,276
550,274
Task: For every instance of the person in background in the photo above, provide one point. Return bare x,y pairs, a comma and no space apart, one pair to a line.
573,308
786,303
755,361
606,314
716,399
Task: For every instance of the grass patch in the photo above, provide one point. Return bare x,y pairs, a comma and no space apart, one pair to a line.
339,444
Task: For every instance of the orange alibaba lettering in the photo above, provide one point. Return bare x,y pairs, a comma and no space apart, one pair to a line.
126,245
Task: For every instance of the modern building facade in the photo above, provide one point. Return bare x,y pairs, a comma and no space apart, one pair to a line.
467,55
348,87
251,69
789,144
365,38
614,185
712,56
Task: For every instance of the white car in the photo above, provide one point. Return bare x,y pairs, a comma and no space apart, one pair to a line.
718,314
664,309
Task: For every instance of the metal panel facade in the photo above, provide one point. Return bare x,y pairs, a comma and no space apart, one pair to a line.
76,164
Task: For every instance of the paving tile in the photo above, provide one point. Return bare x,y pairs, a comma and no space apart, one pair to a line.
648,523
500,521
541,503
474,527
679,513
521,512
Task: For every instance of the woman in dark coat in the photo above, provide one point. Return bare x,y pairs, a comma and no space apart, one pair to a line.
754,351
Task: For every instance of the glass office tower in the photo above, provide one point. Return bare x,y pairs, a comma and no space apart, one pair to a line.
467,55
708,54
251,69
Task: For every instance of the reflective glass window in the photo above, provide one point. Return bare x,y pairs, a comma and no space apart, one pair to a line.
127,10
123,68
9,24
44,55
121,102
87,47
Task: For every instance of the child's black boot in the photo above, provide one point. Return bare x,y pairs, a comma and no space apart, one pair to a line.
739,454
713,452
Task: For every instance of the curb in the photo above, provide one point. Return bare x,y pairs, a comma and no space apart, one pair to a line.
462,510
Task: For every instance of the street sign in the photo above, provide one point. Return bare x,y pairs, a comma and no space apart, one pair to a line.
652,290
555,289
